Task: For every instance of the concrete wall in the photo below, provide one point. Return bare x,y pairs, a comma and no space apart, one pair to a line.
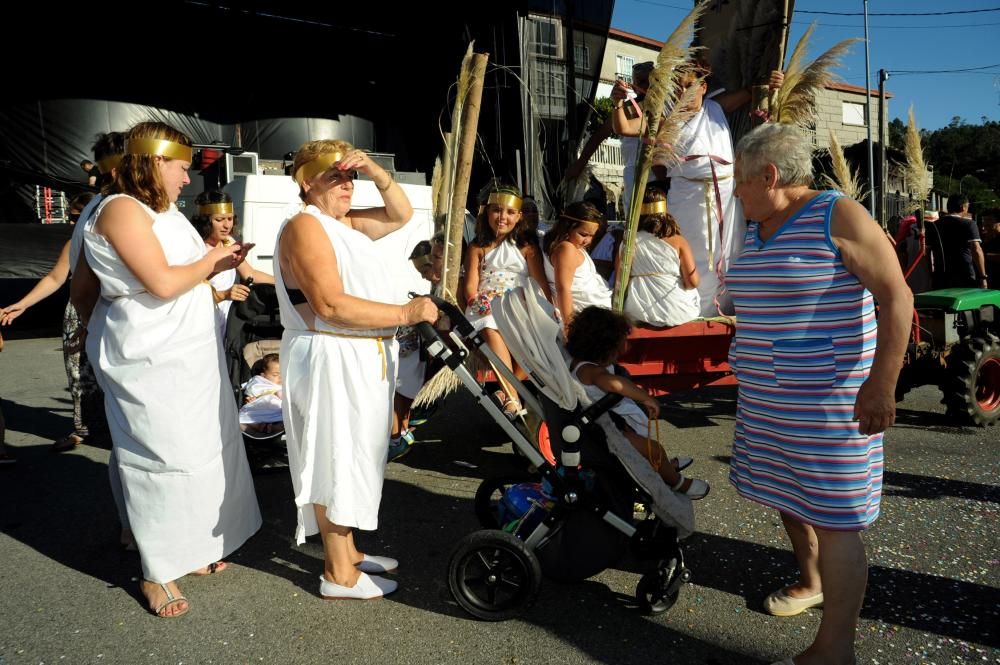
830,115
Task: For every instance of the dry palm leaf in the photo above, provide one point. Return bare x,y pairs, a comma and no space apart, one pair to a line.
452,141
437,185
442,194
917,178
663,91
844,179
672,124
795,101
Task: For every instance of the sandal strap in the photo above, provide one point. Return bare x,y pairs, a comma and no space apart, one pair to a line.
171,599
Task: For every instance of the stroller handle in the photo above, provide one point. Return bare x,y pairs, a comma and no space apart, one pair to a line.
454,314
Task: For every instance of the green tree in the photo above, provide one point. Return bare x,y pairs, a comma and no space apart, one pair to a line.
897,134
966,157
602,111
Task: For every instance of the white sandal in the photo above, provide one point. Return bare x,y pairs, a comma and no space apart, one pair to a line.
698,489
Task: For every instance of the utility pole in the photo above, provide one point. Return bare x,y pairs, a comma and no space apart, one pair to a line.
883,167
868,118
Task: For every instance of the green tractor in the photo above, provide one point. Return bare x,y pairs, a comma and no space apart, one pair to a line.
955,345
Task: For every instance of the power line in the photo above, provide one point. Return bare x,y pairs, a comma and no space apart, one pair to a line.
941,71
900,27
846,25
963,11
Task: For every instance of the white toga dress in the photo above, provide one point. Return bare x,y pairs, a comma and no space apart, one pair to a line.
338,389
588,287
692,202
503,269
222,281
184,473
656,293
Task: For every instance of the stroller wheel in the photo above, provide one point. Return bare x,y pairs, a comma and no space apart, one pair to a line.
488,497
493,576
653,591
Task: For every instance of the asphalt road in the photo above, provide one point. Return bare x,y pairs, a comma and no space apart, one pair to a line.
69,595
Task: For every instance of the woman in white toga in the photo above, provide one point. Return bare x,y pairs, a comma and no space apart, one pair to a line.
179,454
338,356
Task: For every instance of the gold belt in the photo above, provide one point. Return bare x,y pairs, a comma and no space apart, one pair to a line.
648,274
379,340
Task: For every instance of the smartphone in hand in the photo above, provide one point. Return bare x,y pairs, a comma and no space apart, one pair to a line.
245,250
631,108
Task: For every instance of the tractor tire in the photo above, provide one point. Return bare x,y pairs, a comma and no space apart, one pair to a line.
972,390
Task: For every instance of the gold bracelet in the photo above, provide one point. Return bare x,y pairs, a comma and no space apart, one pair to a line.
386,188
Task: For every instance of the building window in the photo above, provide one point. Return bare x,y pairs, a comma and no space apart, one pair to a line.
549,87
853,114
581,56
623,67
547,38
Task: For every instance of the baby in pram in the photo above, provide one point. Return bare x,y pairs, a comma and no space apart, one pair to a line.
596,338
262,411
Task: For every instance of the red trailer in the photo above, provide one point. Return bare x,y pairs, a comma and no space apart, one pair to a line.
692,355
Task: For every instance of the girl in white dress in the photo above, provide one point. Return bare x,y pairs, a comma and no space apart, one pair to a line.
663,287
215,220
186,483
338,355
494,265
569,269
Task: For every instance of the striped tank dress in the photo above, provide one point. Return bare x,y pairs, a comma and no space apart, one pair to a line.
804,343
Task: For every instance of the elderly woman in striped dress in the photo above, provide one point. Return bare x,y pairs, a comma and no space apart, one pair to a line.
816,373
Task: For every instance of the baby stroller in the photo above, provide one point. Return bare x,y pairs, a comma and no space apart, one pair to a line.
253,329
577,518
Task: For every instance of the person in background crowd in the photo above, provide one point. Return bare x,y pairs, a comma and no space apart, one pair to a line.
959,260
215,220
72,360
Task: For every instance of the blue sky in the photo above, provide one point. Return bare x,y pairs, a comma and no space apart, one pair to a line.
900,43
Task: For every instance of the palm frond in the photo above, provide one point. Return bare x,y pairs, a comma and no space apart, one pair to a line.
664,90
672,124
795,101
675,53
844,179
454,224
437,203
917,179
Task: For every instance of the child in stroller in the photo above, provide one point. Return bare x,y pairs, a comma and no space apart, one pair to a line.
261,412
581,517
597,336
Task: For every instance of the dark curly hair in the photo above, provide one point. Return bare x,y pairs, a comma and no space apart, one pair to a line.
203,223
595,334
660,224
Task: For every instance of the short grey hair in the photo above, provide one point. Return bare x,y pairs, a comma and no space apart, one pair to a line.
785,146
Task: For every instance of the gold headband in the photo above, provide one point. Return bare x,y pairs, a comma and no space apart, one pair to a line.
505,200
111,162
596,225
653,208
161,147
313,168
224,208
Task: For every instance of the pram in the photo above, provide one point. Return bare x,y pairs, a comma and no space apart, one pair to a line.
578,518
253,329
